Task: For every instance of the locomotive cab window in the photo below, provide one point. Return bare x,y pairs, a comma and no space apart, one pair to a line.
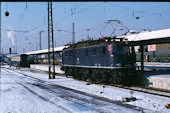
104,50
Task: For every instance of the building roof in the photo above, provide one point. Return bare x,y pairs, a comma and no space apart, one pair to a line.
12,55
149,35
46,50
158,34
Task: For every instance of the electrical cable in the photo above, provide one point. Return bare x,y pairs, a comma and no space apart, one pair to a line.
85,9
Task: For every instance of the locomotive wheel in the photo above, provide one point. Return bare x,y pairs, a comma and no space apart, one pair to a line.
104,76
112,77
93,75
102,73
98,76
90,74
80,73
118,77
75,73
66,72
85,74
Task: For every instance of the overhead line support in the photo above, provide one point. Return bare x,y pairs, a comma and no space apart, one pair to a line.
51,63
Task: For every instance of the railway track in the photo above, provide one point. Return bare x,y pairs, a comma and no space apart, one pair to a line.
144,90
138,89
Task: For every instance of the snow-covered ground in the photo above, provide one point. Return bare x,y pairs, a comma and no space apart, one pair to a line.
21,94
147,101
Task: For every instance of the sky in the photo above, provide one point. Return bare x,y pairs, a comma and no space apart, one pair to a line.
33,18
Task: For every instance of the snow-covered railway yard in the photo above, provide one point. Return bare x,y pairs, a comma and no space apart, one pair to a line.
21,93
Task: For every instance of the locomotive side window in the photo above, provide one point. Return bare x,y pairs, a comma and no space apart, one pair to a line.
104,50
79,52
71,53
86,52
66,53
94,51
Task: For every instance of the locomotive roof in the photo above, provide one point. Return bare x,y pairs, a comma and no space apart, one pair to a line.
90,43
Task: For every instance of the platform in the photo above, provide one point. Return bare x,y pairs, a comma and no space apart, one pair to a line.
44,67
158,79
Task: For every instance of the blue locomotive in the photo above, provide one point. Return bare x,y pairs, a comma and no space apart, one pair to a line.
107,60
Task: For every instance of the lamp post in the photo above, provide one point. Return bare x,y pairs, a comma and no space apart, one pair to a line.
40,38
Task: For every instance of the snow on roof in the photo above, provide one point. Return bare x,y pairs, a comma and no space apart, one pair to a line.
134,37
12,55
46,50
149,35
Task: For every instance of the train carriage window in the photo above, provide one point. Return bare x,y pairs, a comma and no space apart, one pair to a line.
94,51
60,54
86,52
56,55
104,50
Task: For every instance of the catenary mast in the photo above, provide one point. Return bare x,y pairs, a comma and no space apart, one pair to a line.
51,64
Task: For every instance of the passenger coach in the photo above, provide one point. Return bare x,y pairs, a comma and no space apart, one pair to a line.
20,60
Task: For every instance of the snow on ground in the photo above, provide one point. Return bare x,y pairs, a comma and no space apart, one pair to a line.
20,94
148,101
25,103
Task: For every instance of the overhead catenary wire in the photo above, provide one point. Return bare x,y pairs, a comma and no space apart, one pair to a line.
85,9
144,11
67,12
137,10
95,5
114,5
84,30
72,8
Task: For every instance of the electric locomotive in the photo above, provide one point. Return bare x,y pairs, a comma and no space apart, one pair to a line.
106,60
